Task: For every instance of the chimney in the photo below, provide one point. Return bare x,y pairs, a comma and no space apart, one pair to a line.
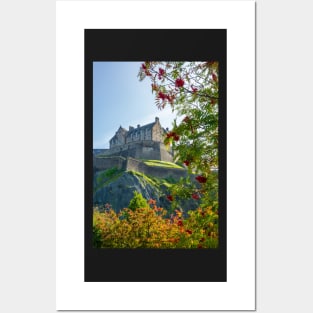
131,127
156,119
138,126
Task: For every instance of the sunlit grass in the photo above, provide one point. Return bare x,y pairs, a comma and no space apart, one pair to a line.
162,164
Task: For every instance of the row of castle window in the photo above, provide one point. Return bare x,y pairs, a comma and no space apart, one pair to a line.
136,135
133,137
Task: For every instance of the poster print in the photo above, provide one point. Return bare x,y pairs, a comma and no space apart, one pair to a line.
95,278
156,188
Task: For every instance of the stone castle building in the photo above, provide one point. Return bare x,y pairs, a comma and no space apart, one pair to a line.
142,142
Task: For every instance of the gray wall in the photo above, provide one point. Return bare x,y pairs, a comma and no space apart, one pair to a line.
131,164
109,162
146,149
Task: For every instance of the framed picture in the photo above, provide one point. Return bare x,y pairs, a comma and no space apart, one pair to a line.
155,156
158,191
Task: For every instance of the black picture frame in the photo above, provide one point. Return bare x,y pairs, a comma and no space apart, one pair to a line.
155,265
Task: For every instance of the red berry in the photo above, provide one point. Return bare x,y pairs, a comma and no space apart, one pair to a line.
170,198
201,179
180,223
170,134
161,95
176,137
195,196
188,231
161,71
179,82
186,162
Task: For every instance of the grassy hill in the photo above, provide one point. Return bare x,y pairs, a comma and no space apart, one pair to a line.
162,164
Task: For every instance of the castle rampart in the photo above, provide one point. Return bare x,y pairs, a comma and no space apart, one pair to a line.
131,164
109,162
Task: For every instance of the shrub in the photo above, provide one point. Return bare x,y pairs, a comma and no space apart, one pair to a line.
137,202
149,228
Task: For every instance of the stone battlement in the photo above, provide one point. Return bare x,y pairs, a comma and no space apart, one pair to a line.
131,164
146,149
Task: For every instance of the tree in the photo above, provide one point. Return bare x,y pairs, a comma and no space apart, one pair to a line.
191,89
138,201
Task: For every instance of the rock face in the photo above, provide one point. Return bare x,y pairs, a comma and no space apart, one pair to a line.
119,190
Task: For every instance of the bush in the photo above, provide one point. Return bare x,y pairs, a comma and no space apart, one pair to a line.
137,202
149,228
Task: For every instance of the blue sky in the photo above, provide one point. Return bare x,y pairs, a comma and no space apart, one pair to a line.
120,99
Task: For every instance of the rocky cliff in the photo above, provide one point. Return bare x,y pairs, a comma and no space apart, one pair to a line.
116,187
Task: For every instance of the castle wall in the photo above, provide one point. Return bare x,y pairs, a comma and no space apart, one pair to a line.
119,138
157,132
165,155
131,164
101,151
135,165
109,162
146,149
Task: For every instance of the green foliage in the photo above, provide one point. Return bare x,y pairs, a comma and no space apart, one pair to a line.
191,90
111,172
138,201
96,239
105,177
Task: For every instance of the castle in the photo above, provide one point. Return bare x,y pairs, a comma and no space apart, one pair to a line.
142,142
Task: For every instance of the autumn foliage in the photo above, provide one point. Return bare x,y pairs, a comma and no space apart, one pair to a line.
151,228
